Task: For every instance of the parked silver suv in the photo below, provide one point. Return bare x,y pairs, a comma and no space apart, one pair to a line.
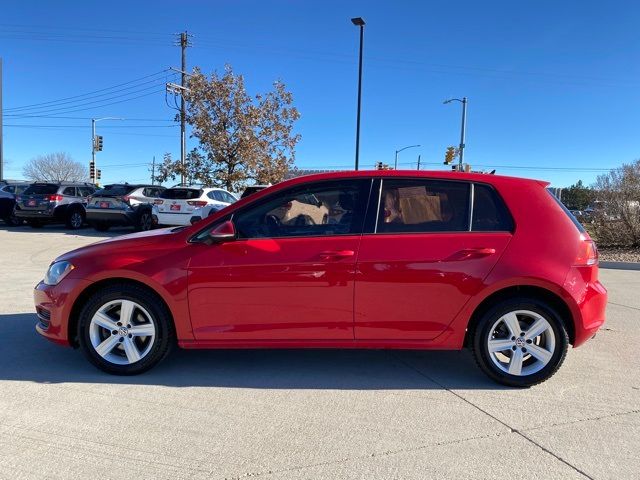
50,202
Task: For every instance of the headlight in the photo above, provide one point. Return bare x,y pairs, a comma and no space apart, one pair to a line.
57,271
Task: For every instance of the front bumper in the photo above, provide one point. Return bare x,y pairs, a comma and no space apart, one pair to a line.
53,306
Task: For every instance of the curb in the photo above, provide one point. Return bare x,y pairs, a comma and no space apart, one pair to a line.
620,265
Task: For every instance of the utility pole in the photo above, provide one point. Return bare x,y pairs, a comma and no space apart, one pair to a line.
418,162
92,167
153,171
1,141
184,43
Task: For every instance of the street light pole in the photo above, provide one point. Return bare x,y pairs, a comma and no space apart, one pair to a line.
395,164
463,101
359,22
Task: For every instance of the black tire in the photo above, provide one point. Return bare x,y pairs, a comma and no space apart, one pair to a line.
101,226
75,218
145,221
482,331
162,342
13,221
34,223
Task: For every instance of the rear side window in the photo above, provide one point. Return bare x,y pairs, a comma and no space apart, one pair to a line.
568,213
181,194
422,205
43,189
70,191
490,214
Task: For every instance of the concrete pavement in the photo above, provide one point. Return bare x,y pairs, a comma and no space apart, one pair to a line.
307,414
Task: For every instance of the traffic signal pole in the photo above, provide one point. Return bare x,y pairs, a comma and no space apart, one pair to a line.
92,167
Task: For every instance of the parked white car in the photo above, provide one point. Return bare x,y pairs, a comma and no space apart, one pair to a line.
177,205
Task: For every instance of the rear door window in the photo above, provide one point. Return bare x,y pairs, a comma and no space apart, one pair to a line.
490,214
423,205
69,191
85,191
181,194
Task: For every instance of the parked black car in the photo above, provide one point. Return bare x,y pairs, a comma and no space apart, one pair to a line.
122,204
54,202
8,192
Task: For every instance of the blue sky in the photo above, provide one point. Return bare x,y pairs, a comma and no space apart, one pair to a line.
552,86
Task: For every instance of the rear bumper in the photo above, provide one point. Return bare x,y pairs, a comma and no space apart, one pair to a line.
182,219
590,298
53,306
114,217
55,214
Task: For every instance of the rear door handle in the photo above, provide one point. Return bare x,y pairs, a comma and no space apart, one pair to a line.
477,252
336,254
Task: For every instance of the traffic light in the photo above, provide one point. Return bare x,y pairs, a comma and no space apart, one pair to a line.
98,143
92,170
449,155
98,174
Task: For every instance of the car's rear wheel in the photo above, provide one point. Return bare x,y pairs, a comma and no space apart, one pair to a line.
125,330
75,219
520,342
145,222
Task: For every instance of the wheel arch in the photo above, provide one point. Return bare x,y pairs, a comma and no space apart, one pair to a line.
72,329
535,292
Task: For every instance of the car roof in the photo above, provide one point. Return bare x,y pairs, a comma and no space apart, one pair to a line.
435,174
133,185
66,184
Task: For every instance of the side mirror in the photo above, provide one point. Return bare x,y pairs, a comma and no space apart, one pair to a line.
223,232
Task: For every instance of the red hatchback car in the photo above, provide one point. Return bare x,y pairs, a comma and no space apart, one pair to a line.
369,259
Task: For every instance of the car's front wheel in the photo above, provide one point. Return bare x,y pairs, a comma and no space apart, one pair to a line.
125,329
520,342
75,219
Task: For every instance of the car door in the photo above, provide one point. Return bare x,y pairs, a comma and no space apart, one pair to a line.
283,278
431,247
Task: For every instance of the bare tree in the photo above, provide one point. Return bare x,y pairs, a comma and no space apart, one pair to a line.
618,217
242,138
55,167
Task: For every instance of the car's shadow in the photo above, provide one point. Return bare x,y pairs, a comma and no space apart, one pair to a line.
85,231
25,356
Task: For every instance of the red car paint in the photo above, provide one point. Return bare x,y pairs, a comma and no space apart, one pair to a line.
415,290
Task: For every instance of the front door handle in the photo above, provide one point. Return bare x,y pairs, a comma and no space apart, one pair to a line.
476,252
336,254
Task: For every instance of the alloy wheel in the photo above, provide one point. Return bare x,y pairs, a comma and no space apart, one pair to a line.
76,220
122,332
521,342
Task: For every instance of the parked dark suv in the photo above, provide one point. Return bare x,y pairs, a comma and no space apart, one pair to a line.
122,204
51,202
8,192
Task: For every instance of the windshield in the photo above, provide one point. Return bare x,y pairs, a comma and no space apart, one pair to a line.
116,190
41,189
181,193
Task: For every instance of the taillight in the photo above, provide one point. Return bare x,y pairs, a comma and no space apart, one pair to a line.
158,201
197,203
54,198
587,252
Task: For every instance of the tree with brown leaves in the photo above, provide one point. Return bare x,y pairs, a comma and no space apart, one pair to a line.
242,138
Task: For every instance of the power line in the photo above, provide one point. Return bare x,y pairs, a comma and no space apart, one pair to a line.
92,93
87,126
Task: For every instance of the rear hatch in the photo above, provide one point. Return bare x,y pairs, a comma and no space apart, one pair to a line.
111,197
180,200
38,197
